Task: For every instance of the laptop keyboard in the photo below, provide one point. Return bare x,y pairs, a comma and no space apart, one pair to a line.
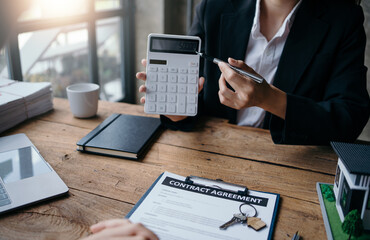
4,198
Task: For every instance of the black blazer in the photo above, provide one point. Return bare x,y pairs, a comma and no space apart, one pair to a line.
321,68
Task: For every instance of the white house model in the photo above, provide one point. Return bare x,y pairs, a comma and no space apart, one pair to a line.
352,180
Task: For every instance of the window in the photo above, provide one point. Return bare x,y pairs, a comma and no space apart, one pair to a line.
47,9
4,73
337,176
61,56
72,41
101,5
344,195
108,39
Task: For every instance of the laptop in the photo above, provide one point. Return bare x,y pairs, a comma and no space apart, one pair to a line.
25,176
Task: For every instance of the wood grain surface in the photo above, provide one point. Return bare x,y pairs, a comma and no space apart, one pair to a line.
105,187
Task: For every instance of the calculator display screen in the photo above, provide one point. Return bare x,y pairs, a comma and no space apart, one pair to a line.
157,61
174,45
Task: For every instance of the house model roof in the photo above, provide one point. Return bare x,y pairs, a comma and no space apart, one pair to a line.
356,157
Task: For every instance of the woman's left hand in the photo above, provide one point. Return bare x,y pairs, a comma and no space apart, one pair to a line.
120,229
248,93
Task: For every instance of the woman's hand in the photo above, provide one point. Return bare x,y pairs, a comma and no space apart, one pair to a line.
120,229
142,89
248,93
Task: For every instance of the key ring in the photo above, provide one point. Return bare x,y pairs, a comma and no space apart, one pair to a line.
250,208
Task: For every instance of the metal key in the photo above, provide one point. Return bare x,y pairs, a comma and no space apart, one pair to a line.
237,218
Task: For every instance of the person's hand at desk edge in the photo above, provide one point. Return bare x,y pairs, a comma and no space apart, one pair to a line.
120,229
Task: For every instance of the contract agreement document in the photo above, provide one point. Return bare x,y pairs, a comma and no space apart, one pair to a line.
174,209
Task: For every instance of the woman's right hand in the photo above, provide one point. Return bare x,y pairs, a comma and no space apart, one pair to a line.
142,89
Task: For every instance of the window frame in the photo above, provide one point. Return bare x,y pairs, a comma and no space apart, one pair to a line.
127,45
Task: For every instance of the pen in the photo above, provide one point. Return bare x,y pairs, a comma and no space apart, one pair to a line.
296,236
256,78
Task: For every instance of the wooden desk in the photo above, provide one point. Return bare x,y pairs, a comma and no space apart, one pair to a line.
104,187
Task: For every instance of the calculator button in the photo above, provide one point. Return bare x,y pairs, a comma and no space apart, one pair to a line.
193,64
150,97
191,98
152,77
192,89
161,97
171,108
193,70
172,88
151,107
172,78
182,88
153,69
161,107
162,69
181,104
190,109
182,78
172,70
162,77
192,78
151,87
171,98
183,70
162,88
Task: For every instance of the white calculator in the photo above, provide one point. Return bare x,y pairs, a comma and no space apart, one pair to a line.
172,75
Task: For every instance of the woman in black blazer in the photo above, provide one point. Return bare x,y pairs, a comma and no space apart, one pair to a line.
321,75
319,89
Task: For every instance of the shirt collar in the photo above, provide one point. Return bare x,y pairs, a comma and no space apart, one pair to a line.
284,28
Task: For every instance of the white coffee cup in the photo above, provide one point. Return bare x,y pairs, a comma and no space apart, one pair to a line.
83,99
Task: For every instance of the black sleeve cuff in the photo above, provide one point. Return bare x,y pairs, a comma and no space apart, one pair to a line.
185,125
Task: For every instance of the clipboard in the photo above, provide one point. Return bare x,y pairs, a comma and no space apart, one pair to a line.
163,201
217,183
192,180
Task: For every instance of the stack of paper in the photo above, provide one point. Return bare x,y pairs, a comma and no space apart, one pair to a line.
22,100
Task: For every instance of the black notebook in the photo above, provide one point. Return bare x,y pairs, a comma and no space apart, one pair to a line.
121,135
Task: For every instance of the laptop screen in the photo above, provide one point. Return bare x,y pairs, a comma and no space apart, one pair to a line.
21,163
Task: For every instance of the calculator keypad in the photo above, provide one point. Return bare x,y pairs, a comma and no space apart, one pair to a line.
172,90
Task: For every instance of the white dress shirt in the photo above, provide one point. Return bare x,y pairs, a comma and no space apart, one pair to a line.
263,56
